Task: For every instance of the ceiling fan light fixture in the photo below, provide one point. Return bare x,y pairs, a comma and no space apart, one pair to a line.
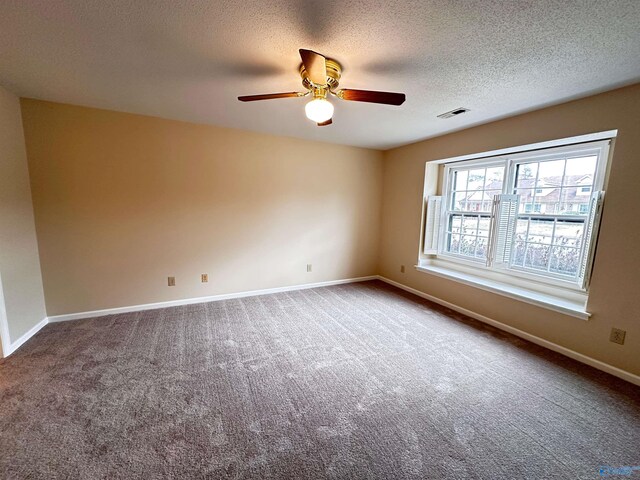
321,77
319,110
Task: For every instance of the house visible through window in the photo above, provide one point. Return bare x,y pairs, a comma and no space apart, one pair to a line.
531,214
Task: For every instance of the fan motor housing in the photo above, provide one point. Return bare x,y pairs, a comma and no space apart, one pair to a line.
334,70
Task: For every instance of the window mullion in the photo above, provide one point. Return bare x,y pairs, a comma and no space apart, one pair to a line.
553,237
535,189
564,173
475,250
508,179
526,242
460,233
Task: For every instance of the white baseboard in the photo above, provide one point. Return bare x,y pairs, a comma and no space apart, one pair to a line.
212,298
13,346
605,367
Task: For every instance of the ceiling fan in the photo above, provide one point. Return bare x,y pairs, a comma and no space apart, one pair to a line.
320,76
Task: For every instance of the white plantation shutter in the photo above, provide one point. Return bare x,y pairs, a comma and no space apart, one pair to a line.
590,235
432,225
503,227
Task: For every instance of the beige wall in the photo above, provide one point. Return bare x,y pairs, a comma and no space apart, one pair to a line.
615,288
122,201
21,283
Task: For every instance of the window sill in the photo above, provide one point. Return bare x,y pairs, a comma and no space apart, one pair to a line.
550,302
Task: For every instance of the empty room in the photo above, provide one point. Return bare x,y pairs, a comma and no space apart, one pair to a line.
319,240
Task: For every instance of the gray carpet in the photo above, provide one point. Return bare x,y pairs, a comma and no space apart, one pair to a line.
360,381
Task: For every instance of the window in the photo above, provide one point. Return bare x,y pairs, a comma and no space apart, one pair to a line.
469,209
532,215
533,207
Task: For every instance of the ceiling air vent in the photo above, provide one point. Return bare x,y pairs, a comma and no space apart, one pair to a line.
453,113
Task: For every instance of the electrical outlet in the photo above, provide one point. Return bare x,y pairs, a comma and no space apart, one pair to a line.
204,278
401,268
171,281
308,267
617,336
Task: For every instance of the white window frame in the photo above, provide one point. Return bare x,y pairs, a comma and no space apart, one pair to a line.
510,158
601,149
448,180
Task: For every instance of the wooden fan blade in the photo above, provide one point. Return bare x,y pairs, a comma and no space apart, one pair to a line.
324,124
269,96
315,65
387,98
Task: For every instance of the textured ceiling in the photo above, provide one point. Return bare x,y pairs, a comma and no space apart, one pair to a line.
189,59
